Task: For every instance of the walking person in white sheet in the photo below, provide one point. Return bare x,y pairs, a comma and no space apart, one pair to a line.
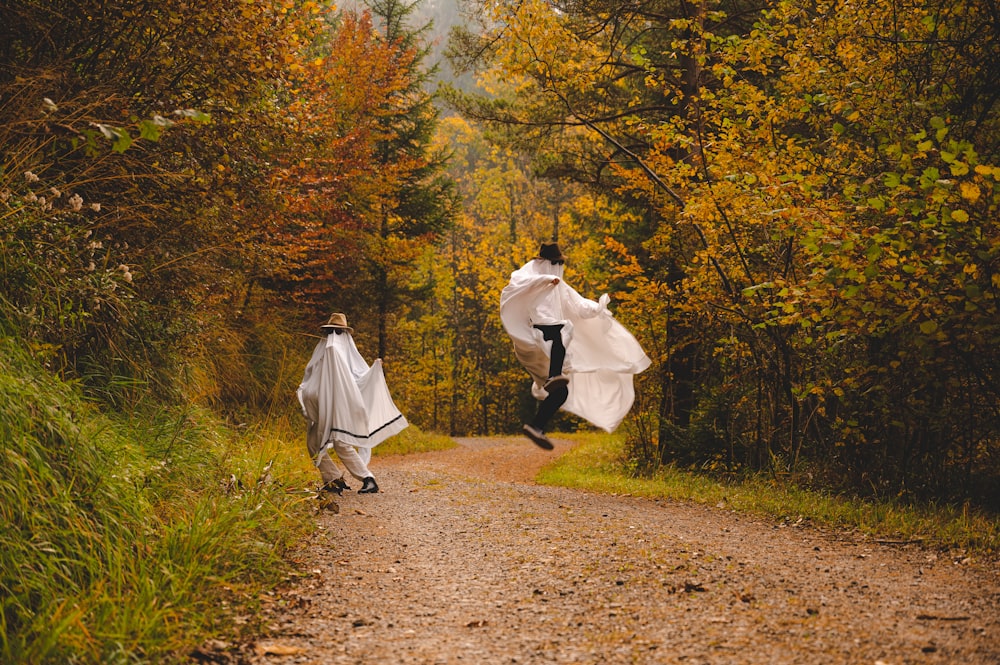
348,407
580,358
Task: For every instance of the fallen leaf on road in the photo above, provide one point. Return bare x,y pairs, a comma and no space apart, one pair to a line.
273,649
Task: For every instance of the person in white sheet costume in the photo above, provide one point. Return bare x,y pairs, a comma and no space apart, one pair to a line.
580,358
348,407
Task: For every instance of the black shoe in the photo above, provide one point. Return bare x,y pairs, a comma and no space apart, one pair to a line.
332,487
335,486
370,486
538,437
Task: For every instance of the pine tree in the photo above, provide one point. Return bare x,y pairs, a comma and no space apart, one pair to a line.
416,201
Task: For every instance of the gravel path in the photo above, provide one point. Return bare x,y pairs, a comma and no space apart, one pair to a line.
461,559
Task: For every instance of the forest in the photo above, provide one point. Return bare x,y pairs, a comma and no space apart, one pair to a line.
793,206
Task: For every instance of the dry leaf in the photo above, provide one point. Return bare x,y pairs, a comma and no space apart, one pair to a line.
273,649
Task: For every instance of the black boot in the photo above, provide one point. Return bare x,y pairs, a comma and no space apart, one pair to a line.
369,487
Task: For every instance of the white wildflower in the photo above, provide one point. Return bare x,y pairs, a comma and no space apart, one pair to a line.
30,197
41,201
76,202
91,267
127,276
55,192
96,207
30,177
49,105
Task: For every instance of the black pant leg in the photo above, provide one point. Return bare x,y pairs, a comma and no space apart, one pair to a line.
558,354
555,399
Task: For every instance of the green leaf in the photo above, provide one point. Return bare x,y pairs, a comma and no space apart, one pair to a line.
928,327
123,141
149,130
929,177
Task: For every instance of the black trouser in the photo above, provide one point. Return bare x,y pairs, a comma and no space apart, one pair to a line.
558,355
557,396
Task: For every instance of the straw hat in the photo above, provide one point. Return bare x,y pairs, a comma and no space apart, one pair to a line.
337,320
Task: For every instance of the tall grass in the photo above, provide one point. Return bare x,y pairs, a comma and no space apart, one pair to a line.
596,464
121,538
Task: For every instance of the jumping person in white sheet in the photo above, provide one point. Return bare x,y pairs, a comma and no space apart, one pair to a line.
580,358
348,407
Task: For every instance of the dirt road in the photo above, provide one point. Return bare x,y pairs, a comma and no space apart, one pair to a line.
461,559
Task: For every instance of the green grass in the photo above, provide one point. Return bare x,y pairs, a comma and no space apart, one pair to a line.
123,539
413,440
595,464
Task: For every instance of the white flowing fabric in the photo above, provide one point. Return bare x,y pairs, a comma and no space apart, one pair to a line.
348,400
601,355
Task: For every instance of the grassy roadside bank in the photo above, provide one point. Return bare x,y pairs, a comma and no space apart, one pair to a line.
135,537
130,538
594,464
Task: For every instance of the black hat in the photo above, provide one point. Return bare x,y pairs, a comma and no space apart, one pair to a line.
550,252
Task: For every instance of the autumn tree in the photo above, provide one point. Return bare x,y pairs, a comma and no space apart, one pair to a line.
813,187
324,173
121,239
412,200
581,85
463,376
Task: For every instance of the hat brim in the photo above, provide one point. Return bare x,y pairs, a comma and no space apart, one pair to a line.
326,326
